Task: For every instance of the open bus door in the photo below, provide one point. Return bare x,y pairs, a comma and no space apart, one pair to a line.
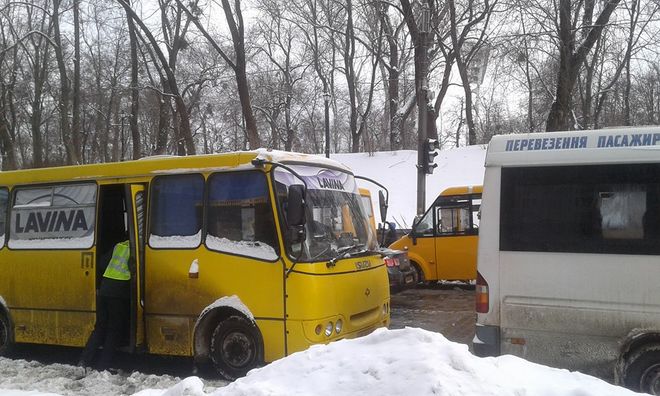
136,208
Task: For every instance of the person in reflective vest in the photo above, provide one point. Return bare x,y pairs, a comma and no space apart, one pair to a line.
113,309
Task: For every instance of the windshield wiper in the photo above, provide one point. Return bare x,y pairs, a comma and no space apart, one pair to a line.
344,252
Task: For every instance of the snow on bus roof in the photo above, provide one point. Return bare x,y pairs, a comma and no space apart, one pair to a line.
285,157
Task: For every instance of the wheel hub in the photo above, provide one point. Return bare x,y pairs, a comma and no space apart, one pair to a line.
237,350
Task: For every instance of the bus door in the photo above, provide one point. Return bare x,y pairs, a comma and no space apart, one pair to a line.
456,241
136,208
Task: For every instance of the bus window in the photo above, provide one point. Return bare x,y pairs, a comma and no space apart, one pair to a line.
53,217
453,220
4,196
240,219
425,225
176,211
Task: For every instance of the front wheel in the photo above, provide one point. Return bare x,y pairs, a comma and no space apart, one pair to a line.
236,347
5,335
418,274
643,371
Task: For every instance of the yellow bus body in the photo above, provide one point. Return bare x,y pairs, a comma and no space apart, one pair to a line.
451,253
49,294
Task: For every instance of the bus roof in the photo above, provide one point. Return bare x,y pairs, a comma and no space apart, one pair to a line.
462,190
151,166
620,145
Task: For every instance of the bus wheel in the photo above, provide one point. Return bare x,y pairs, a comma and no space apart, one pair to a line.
642,372
419,275
5,335
236,347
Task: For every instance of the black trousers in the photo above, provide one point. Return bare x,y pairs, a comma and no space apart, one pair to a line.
112,319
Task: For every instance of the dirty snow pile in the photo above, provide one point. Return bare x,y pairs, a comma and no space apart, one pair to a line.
387,362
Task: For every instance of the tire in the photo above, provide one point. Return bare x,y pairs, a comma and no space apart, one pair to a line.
236,347
419,274
5,335
642,372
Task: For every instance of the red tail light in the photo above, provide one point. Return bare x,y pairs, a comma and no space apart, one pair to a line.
391,262
481,293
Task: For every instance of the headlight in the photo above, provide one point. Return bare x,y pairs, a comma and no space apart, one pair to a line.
384,309
338,326
318,329
328,329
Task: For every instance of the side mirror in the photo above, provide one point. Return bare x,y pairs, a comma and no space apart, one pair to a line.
295,209
382,204
295,213
413,234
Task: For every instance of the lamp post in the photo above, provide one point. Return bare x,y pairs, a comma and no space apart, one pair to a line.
326,100
421,56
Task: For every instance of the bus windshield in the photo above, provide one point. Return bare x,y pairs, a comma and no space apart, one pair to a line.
336,218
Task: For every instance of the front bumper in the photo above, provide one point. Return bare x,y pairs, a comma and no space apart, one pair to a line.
486,341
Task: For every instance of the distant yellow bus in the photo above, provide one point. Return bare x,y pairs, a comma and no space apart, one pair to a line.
442,244
232,259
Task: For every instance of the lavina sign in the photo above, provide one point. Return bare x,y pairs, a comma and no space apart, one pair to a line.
58,221
58,212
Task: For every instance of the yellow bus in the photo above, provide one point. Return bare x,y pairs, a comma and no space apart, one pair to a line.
232,260
442,244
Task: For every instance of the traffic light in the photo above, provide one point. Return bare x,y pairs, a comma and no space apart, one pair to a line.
430,147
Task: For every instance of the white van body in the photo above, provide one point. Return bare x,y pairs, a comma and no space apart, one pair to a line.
569,252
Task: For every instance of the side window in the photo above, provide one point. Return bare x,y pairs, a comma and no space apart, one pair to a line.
425,226
581,209
4,198
56,217
455,216
240,216
176,211
476,213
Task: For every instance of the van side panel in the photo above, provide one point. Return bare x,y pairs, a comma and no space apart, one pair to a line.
572,309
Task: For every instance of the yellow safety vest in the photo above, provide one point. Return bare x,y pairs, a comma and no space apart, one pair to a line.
118,267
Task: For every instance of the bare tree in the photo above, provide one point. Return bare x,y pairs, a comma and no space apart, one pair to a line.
237,28
572,56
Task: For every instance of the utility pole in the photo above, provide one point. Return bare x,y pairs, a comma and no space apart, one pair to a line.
422,108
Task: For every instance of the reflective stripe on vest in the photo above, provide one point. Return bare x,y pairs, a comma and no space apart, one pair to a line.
118,267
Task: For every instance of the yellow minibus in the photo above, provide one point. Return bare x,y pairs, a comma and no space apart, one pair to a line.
442,244
232,262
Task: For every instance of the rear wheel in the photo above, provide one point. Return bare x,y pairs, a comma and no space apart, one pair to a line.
5,335
236,347
643,370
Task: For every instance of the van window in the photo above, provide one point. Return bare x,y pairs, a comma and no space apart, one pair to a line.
581,209
55,217
240,217
424,226
176,211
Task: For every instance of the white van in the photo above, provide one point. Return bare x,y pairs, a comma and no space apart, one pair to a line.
569,253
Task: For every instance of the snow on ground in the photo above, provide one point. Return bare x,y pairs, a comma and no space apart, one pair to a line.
387,362
397,170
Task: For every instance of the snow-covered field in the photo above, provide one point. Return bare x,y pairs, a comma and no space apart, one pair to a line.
388,362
